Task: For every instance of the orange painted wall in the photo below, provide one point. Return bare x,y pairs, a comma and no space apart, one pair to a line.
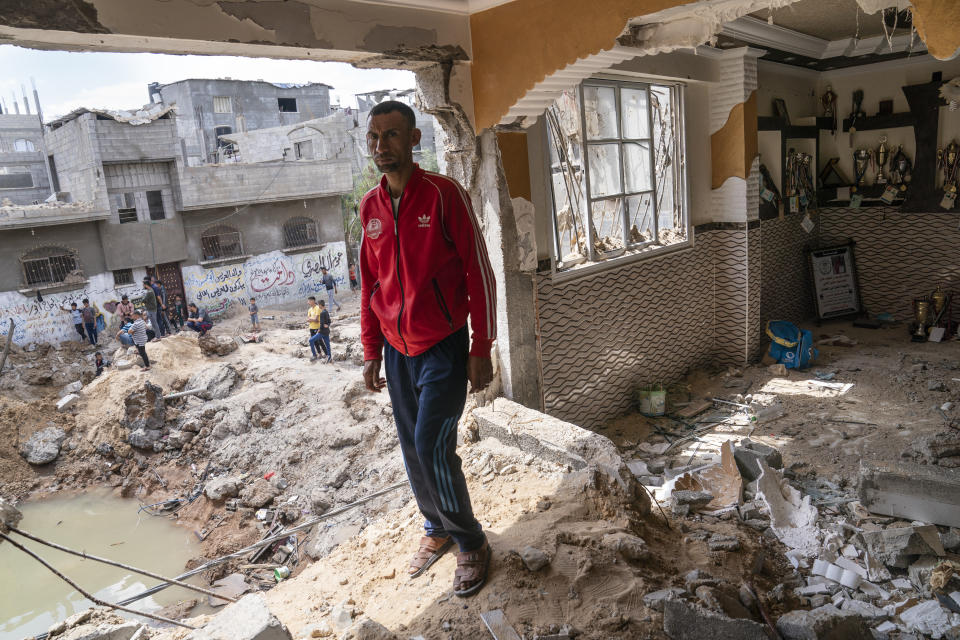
516,165
734,146
938,23
518,44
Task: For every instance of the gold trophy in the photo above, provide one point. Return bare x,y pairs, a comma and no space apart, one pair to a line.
862,159
948,161
939,300
883,153
921,311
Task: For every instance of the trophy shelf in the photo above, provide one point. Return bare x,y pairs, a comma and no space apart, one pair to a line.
886,121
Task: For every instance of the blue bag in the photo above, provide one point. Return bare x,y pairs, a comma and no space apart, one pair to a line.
790,345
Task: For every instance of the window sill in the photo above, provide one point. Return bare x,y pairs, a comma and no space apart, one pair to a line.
613,263
302,248
57,287
219,261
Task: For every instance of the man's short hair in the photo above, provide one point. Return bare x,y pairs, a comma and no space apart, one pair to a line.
124,298
73,304
312,298
322,303
137,312
86,301
389,106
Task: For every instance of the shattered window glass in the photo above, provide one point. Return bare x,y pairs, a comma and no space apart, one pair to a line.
625,187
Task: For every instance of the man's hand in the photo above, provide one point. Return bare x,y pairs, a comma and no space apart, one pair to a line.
371,376
479,373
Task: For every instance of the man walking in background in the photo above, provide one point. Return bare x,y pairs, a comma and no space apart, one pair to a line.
322,335
151,304
138,331
423,271
89,321
331,285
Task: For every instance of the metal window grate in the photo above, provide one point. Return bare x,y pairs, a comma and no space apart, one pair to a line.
221,242
222,104
48,266
122,276
299,232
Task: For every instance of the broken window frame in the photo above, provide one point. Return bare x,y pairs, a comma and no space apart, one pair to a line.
155,205
577,175
24,145
128,212
46,266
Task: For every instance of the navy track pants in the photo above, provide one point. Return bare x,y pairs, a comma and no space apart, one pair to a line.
428,392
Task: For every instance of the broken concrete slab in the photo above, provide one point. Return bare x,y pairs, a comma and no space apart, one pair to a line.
899,547
927,493
823,623
67,401
534,559
792,518
246,619
655,599
43,446
748,455
231,586
929,618
684,620
693,498
73,387
223,487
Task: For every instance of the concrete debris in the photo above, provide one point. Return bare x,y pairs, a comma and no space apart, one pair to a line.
73,387
367,629
921,571
929,618
823,623
534,559
217,381
638,468
724,480
222,487
246,619
211,345
10,516
928,493
950,539
341,616
259,494
684,620
316,630
693,498
898,547
145,408
655,599
631,547
232,586
122,364
718,542
67,401
793,519
866,610
43,446
145,439
748,455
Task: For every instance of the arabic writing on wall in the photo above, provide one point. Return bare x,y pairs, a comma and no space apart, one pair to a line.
271,278
45,321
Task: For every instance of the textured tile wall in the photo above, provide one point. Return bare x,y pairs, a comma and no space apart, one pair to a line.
603,335
729,252
785,292
899,255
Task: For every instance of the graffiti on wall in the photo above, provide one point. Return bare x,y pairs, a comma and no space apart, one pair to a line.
271,278
39,321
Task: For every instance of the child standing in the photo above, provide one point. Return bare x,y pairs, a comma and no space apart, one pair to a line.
254,314
77,319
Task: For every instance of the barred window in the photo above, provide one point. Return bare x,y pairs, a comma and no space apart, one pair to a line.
299,232
221,242
222,104
49,265
23,145
122,277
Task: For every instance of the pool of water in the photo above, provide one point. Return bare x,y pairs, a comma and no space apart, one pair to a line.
32,598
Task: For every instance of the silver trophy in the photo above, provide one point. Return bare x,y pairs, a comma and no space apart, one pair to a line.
861,162
883,154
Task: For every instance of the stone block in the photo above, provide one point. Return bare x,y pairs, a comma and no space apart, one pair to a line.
695,499
655,599
534,559
683,620
899,547
73,387
43,446
222,487
748,454
67,401
246,619
823,623
927,493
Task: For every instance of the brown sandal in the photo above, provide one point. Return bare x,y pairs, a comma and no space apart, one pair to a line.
471,573
431,549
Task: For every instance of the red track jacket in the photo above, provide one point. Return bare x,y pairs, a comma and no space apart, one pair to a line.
425,270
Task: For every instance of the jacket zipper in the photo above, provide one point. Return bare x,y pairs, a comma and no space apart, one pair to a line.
442,303
396,233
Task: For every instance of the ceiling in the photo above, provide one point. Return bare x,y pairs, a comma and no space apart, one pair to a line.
826,19
465,7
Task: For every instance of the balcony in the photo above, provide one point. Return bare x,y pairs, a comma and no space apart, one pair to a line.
41,215
235,184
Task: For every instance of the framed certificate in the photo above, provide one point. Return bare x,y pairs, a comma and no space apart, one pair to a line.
835,288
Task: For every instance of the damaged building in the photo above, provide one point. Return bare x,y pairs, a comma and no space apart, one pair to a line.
663,185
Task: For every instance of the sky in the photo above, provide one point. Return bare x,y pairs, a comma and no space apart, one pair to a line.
66,80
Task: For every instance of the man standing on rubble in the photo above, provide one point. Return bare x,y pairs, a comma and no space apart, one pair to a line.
423,270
